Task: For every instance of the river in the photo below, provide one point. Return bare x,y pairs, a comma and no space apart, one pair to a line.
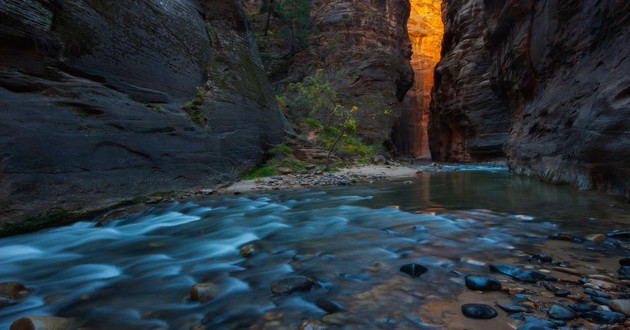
136,271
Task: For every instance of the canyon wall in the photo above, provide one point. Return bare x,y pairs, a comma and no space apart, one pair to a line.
104,102
560,70
363,48
425,32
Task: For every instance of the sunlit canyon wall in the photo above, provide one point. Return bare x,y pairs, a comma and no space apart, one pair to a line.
425,33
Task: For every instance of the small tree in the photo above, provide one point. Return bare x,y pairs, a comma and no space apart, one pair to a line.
348,127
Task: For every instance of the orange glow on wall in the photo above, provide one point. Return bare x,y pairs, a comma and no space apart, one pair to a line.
425,32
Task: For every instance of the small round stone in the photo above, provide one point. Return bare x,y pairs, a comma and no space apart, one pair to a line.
559,312
482,283
479,311
413,270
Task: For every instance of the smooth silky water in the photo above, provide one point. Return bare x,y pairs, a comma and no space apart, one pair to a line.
136,271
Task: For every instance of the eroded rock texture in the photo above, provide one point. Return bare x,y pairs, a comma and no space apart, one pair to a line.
562,69
91,97
363,46
468,121
425,32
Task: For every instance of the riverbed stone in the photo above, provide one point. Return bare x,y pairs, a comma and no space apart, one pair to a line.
624,261
582,308
12,293
605,317
620,235
565,237
328,305
335,319
413,270
479,311
312,325
511,308
560,312
204,291
596,293
482,283
624,272
620,305
524,275
40,322
540,257
292,284
534,323
596,238
247,250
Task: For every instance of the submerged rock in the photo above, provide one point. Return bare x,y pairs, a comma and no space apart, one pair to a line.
620,235
560,312
482,283
39,322
533,323
582,308
291,284
624,261
329,306
12,293
247,250
413,270
312,325
540,257
479,311
565,237
605,317
624,272
204,291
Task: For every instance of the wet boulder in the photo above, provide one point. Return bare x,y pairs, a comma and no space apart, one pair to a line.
12,293
292,284
479,311
204,291
620,305
511,308
583,308
482,283
566,237
519,274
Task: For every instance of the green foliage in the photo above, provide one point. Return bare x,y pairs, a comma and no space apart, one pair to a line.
280,149
295,17
260,172
193,108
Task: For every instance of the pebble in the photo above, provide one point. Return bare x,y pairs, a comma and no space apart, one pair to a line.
38,322
335,319
312,325
596,293
565,237
624,272
620,305
482,283
582,308
596,238
605,317
204,291
594,284
540,257
291,284
511,308
479,311
519,274
12,293
560,312
620,235
624,261
413,270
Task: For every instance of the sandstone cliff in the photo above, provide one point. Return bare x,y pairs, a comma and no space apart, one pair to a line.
103,102
365,47
560,71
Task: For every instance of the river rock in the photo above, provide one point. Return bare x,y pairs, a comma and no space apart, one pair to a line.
329,306
605,317
482,283
565,237
413,270
624,272
38,322
533,323
596,238
479,311
620,305
624,261
582,308
560,312
511,308
519,274
312,325
335,319
620,235
596,293
291,284
12,293
204,291
540,257
247,250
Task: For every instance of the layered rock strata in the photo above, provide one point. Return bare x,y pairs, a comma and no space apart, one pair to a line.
560,68
101,103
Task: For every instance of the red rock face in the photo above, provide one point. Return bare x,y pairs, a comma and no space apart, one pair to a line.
425,32
562,70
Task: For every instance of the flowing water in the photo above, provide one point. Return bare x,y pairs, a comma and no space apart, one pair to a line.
136,271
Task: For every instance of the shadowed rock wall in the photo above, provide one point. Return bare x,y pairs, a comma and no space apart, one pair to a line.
91,96
560,67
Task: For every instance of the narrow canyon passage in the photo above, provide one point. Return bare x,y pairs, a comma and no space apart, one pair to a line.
425,33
